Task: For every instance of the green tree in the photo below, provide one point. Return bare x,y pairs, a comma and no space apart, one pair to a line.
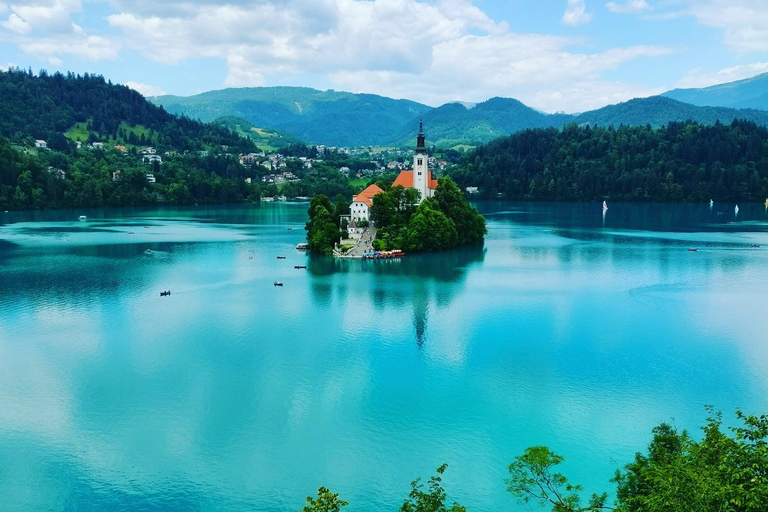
533,478
430,500
326,501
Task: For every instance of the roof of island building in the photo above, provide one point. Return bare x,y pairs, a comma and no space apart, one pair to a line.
405,179
366,196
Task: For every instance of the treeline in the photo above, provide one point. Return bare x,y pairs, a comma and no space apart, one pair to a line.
677,162
443,222
725,471
46,106
96,178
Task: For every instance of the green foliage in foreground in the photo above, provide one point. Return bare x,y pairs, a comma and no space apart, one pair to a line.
677,162
443,222
724,472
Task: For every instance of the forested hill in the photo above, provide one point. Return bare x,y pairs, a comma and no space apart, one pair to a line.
659,110
677,162
59,107
108,146
322,117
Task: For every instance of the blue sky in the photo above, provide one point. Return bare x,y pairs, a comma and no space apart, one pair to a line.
555,55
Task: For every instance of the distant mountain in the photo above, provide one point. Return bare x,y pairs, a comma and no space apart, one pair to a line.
749,93
321,117
455,123
346,119
659,110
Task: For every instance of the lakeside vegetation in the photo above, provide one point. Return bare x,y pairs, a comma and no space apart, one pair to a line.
677,162
727,470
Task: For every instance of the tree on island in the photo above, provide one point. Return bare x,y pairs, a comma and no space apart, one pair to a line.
443,222
323,227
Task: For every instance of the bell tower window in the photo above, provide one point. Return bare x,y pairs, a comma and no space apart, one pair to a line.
419,162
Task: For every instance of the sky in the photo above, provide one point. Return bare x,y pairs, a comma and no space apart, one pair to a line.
554,55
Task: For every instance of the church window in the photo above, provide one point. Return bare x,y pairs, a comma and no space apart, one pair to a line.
419,162
419,173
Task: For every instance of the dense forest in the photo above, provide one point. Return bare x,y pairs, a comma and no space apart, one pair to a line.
96,178
196,162
724,471
677,162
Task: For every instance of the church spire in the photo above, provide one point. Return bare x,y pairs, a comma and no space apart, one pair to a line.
420,147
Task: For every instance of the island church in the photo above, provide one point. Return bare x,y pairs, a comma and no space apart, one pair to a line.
419,178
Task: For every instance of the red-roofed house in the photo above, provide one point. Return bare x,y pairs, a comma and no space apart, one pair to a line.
362,202
420,177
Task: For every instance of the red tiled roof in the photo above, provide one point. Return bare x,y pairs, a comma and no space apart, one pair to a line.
366,196
405,179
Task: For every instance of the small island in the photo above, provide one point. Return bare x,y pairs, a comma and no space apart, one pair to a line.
417,213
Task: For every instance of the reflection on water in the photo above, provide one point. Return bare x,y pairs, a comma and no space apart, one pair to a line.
566,329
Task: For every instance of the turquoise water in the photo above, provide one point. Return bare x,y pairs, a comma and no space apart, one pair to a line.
568,329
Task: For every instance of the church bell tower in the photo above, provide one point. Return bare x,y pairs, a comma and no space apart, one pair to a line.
420,167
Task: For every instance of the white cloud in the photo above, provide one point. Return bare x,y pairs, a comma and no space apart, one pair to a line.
431,52
744,22
698,78
576,13
16,24
44,29
630,7
146,89
78,43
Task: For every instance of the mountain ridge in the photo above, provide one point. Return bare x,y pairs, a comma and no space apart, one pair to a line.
751,93
338,118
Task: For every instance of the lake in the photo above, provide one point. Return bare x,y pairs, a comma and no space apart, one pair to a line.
570,328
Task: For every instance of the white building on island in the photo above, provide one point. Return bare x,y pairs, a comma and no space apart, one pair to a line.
360,209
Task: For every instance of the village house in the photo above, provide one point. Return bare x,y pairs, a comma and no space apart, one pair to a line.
249,160
117,176
151,178
148,159
148,151
96,145
41,144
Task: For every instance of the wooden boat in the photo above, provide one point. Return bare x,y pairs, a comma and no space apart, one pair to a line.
299,266
165,293
302,247
82,217
278,283
281,257
692,249
148,251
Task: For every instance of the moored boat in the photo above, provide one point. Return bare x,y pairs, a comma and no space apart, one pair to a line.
82,218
